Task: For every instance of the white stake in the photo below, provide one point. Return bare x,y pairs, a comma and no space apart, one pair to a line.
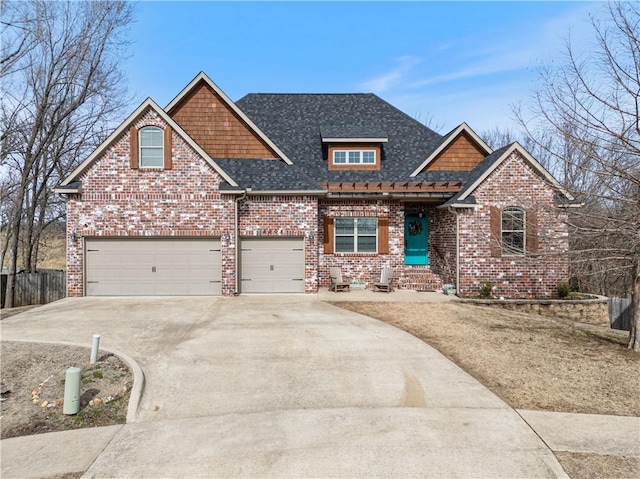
94,348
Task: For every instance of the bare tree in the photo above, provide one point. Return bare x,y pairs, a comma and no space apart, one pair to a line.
61,82
588,111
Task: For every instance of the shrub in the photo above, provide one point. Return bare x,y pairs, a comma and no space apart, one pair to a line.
563,290
486,289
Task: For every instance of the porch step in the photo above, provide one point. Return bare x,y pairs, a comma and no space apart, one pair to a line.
420,278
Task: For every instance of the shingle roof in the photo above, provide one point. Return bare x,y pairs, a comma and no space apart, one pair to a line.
296,123
267,175
351,131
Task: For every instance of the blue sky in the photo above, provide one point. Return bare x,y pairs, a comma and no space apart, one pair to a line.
440,62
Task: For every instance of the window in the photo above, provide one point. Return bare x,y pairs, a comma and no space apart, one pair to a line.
356,235
151,147
513,231
354,157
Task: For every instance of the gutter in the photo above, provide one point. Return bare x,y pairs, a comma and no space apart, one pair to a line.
388,196
67,191
251,192
571,205
236,233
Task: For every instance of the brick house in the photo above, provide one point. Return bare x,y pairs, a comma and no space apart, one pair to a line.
212,197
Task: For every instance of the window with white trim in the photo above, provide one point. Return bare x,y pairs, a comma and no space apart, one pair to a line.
513,231
356,235
151,139
354,157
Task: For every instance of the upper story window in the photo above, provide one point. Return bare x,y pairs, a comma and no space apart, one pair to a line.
513,231
151,141
356,235
354,157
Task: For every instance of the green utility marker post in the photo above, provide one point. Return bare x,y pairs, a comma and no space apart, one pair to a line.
72,391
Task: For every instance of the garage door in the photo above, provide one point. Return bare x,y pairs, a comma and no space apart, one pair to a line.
271,265
152,267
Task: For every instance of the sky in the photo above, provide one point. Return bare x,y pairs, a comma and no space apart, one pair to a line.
442,63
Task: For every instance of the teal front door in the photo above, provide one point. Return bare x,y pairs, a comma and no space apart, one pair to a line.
415,240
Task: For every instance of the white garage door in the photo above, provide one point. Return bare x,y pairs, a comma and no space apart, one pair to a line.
270,265
152,267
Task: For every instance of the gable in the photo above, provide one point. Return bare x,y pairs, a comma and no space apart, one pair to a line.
514,182
462,154
148,106
219,130
497,158
461,150
114,173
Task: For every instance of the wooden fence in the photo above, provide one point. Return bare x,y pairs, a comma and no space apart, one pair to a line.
620,313
36,288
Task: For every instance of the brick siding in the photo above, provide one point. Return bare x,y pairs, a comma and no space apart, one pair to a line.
442,244
285,216
513,183
149,202
362,266
185,201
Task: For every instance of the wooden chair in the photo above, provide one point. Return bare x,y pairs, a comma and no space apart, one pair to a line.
386,277
337,283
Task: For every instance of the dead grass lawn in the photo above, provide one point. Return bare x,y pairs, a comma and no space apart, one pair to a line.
530,361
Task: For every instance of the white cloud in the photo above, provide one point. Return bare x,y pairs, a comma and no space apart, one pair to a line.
490,75
386,81
521,51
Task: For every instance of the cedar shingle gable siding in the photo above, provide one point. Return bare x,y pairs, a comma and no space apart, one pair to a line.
216,128
463,154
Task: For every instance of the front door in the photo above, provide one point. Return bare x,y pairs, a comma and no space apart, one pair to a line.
415,240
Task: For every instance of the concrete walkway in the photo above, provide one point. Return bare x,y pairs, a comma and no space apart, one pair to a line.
276,386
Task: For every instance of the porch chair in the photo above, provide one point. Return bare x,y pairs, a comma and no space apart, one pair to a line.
386,277
337,283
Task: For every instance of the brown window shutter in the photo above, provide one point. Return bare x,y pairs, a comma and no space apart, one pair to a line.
133,149
383,235
496,232
167,148
532,231
328,235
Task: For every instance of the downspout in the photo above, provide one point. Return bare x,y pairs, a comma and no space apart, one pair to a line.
236,232
455,211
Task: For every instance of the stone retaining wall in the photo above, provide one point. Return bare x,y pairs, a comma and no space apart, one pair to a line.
591,311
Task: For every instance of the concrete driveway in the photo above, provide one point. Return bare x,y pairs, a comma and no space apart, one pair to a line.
287,386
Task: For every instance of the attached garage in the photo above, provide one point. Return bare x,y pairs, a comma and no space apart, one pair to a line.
272,265
152,267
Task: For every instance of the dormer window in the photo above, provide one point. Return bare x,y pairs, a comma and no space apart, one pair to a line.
354,157
353,147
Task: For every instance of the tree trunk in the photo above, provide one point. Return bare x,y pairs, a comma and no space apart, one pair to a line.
13,260
634,338
14,225
5,247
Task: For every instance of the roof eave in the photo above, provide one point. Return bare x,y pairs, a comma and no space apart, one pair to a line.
355,140
252,192
67,191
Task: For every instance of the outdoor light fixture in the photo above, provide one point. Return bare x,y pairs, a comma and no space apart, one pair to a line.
73,236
